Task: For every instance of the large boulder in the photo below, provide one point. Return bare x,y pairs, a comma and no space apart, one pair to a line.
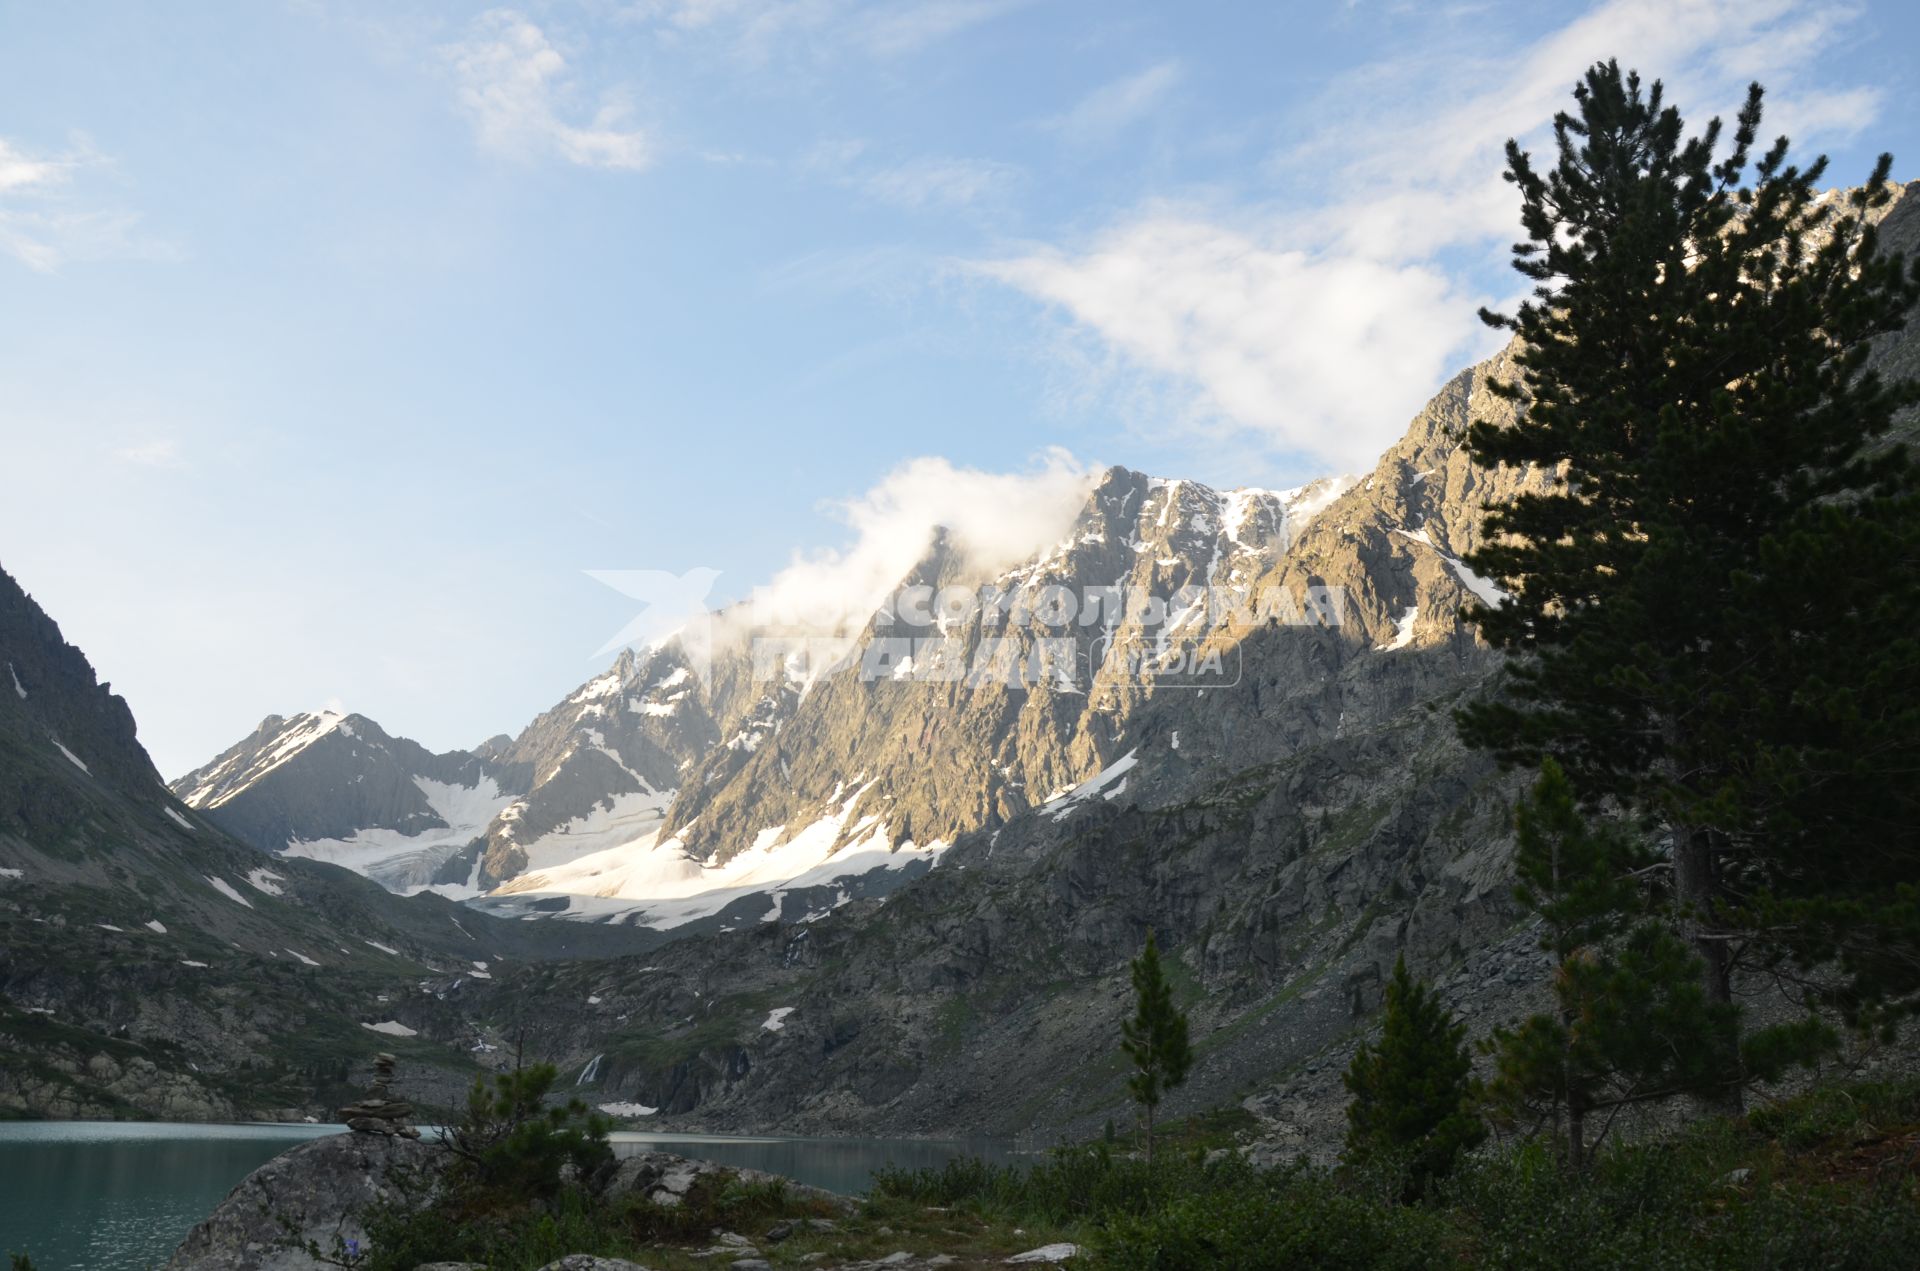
315,1192
666,1179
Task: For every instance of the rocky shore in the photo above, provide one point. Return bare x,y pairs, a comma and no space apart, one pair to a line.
310,1200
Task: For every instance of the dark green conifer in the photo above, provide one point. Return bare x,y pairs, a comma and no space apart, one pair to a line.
1155,1039
1413,1090
1692,370
1632,1019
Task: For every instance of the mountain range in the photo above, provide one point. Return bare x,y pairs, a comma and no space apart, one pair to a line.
890,880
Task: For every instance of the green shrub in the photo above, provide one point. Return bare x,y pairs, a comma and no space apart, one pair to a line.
511,1142
509,1237
1072,1185
1297,1218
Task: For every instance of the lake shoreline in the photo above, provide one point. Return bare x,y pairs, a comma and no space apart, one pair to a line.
119,1195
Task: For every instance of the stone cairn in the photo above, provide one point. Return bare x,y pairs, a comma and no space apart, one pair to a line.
378,1112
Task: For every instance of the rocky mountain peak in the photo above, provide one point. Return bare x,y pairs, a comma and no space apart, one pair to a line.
50,698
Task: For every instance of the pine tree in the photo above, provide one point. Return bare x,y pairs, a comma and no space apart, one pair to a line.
1827,769
1633,1021
1691,370
1155,1039
1413,1092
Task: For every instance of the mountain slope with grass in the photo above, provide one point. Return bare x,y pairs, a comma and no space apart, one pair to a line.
151,964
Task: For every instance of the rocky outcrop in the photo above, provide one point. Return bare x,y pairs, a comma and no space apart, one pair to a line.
662,1178
63,1086
312,1196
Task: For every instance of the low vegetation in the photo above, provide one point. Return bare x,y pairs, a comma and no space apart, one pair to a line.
1831,1177
1828,1178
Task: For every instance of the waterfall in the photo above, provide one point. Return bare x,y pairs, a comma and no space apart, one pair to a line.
591,1071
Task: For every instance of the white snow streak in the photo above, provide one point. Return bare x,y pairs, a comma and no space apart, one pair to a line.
1403,630
265,880
1062,804
226,889
627,1109
392,1028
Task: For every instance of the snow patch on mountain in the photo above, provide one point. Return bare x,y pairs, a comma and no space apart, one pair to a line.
392,1028
1485,589
265,880
620,820
1060,805
656,883
1403,630
227,889
406,862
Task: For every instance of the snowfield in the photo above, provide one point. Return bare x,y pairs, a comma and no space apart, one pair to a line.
406,862
657,884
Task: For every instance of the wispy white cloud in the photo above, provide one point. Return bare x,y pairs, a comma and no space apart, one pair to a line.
1112,108
1321,322
763,29
929,181
995,520
163,452
21,171
1320,352
895,29
44,222
524,99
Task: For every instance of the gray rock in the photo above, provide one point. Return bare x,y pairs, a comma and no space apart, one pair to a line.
314,1192
588,1262
666,1179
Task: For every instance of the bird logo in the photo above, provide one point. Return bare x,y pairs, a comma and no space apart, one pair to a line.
672,606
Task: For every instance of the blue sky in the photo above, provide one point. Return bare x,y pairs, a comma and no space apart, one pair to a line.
338,340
